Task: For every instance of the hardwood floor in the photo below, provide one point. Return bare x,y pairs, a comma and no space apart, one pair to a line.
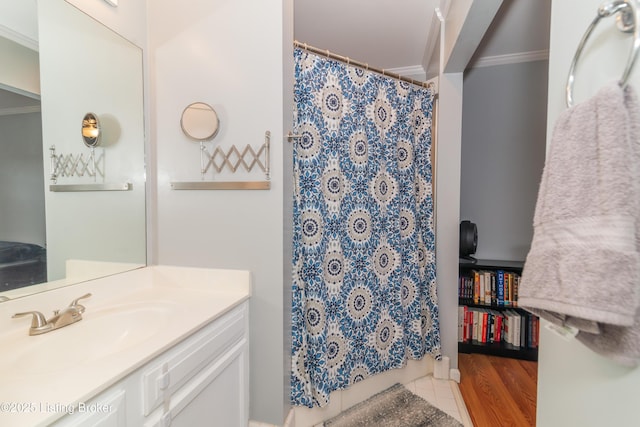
498,391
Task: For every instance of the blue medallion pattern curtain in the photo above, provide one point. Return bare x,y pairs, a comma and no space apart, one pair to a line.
364,290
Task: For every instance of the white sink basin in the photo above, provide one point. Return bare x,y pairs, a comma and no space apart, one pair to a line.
101,333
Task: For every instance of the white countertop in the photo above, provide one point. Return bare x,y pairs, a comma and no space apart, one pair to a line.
130,319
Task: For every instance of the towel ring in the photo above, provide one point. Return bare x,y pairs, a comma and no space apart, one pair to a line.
627,21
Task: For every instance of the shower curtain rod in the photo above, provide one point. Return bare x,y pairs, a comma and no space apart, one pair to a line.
350,61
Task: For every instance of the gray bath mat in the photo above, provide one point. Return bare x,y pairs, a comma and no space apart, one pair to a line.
394,407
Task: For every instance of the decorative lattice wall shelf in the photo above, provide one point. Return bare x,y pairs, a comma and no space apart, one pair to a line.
232,160
81,166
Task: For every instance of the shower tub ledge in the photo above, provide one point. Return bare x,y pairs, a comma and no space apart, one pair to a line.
156,345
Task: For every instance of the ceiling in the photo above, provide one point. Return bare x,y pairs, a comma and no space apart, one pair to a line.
394,34
391,34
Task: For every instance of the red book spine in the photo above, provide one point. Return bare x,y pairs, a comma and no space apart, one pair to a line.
484,327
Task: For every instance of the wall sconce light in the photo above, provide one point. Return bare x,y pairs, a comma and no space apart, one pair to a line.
78,166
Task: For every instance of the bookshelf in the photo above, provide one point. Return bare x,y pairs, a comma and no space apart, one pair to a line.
489,319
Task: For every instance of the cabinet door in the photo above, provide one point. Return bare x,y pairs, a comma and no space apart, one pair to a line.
172,371
217,396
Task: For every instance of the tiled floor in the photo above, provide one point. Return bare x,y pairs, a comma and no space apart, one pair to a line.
443,394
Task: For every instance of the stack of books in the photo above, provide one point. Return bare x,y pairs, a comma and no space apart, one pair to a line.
483,325
489,287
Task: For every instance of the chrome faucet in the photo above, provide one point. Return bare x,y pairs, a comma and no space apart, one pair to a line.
61,318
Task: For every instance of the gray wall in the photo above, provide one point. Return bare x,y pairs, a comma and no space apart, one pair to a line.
21,179
503,146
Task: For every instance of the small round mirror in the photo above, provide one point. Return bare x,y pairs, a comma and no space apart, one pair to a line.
91,130
199,121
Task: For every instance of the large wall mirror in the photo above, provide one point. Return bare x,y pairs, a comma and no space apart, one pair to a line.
83,66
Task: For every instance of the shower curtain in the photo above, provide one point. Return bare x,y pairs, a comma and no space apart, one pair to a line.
364,291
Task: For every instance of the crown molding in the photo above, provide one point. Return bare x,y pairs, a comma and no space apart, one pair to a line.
16,37
512,58
19,110
415,72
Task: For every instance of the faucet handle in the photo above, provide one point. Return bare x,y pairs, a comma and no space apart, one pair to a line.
79,307
38,320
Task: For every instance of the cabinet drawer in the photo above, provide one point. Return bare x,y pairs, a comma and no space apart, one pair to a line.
170,373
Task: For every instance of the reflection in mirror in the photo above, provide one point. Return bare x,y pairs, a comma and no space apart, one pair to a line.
83,235
22,207
199,121
91,130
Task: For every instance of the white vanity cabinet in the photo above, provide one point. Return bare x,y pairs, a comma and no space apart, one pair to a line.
201,381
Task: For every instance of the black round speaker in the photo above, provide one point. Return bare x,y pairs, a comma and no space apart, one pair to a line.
468,239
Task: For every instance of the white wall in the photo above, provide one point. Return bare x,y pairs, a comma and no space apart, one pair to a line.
21,179
503,146
447,208
229,55
576,386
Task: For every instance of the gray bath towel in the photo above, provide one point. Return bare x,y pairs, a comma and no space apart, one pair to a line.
583,269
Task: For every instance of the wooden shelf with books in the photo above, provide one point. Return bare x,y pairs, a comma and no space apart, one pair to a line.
489,320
